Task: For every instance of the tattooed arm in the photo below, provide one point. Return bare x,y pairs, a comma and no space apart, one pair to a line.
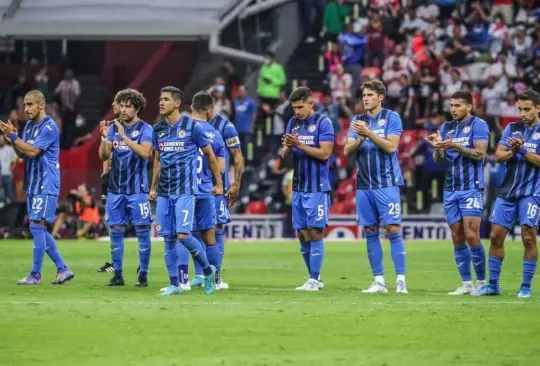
477,153
439,155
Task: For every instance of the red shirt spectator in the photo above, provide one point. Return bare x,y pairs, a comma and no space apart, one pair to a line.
332,57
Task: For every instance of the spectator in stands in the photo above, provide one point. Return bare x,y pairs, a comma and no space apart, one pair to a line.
450,88
8,158
478,27
504,10
428,12
67,93
492,98
405,63
457,49
19,90
222,105
271,79
17,120
332,57
283,113
334,18
330,110
83,215
408,101
245,113
394,86
411,22
42,82
428,93
522,44
498,31
503,70
509,111
354,50
375,34
340,84
232,79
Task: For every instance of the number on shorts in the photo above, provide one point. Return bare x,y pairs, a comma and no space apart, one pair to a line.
320,212
186,213
222,207
145,209
37,204
473,203
532,210
394,209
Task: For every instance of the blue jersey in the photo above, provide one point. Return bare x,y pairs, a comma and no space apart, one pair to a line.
230,136
129,172
42,174
376,168
464,173
178,147
205,179
521,177
311,175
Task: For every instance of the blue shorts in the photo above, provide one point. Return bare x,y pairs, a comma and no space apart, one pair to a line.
505,212
460,204
310,209
174,214
205,213
222,210
378,207
41,207
123,209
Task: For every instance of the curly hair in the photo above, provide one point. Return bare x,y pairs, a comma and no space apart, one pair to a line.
131,96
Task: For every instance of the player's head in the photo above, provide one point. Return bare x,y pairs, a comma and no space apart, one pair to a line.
302,102
529,106
170,100
373,93
34,105
202,106
461,103
130,102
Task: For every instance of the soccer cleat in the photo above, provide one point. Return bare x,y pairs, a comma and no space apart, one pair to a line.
401,287
465,289
198,281
209,282
376,287
115,281
30,280
524,292
172,290
107,267
185,286
142,282
222,286
63,276
311,285
480,284
487,290
321,283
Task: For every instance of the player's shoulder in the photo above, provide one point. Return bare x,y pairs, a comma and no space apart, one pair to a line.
50,124
392,115
159,126
512,126
480,122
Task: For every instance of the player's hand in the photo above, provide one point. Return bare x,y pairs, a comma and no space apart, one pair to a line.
232,194
120,127
218,190
355,126
7,127
290,140
104,128
434,138
515,144
445,145
362,129
152,196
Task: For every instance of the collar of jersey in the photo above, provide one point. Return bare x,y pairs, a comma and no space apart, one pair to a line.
376,117
41,120
310,119
131,127
465,122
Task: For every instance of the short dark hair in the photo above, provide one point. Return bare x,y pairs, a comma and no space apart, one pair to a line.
202,102
131,96
462,94
531,95
376,85
175,93
300,94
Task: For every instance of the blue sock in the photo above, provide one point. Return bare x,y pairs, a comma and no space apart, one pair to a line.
462,255
197,253
183,263
171,259
478,255
316,259
375,253
145,248
305,249
399,255
53,253
198,269
117,250
529,268
38,232
495,267
212,253
220,240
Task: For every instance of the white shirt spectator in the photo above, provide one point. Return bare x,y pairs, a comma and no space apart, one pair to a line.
393,85
492,99
341,86
450,30
405,62
496,70
69,91
428,12
7,157
409,25
520,48
448,90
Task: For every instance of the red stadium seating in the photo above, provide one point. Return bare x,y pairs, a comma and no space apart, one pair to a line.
256,208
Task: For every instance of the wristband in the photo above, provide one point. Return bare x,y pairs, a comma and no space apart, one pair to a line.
522,151
13,136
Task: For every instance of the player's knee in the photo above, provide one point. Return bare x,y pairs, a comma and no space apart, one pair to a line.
315,233
141,229
392,229
371,229
473,238
458,238
300,236
496,238
181,236
529,237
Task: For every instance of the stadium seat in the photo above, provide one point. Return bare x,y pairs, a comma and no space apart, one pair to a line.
341,140
340,208
344,188
256,208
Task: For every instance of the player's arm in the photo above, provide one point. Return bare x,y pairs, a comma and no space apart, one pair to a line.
22,148
389,144
155,172
439,156
326,141
144,149
105,148
214,167
285,151
354,140
238,158
476,153
503,154
532,158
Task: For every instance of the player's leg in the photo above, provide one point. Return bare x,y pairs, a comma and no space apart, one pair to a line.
165,226
299,219
388,203
116,218
472,207
223,217
198,224
183,265
529,217
368,218
184,207
139,214
502,220
61,219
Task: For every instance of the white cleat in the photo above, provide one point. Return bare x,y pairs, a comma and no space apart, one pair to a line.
310,285
222,286
321,283
183,287
401,287
465,289
376,287
480,284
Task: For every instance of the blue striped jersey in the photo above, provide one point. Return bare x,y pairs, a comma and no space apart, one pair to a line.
376,168
178,147
205,178
521,177
230,136
463,173
310,174
42,174
129,172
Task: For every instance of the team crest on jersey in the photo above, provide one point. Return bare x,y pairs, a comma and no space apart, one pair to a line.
311,128
181,134
536,136
382,122
467,129
135,133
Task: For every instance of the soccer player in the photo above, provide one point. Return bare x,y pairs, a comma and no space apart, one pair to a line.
40,149
177,141
374,138
463,143
519,196
129,141
310,138
229,134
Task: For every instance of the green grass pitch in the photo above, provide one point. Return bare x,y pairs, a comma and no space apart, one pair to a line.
261,320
